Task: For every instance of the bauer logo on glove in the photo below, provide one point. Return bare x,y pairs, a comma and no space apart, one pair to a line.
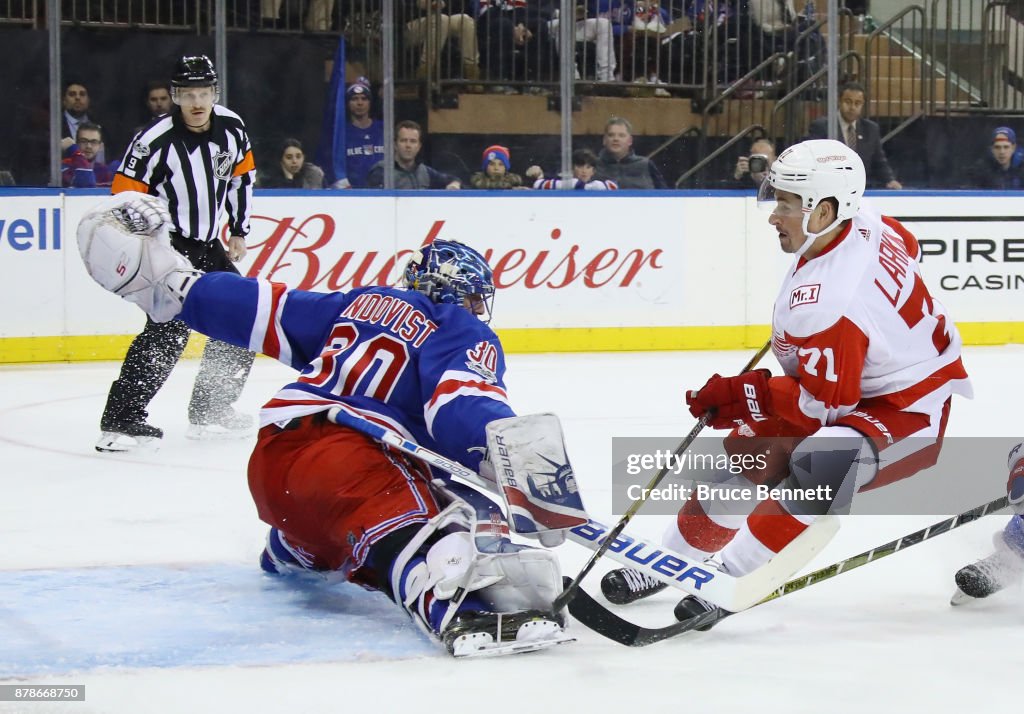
729,401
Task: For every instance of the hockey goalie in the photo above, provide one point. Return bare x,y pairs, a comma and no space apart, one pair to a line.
420,361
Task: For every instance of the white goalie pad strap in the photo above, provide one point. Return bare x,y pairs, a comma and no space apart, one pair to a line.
532,469
141,267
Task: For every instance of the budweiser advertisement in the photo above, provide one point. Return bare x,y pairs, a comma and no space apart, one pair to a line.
591,262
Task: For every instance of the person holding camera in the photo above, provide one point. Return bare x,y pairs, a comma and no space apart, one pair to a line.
751,170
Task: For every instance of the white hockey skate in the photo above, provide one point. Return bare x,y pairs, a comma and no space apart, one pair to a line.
489,634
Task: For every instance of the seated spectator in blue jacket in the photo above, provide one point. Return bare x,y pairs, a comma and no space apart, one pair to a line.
364,136
410,173
1002,166
81,166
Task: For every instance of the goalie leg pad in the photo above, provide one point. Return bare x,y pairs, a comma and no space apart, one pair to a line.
531,466
453,576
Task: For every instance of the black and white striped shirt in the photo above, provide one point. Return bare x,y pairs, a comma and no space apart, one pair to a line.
196,173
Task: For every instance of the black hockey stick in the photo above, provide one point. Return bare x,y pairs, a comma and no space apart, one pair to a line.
574,585
605,622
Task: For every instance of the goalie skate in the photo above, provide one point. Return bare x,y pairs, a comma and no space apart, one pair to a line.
489,634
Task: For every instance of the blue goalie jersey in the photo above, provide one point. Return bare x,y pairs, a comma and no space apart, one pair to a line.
431,372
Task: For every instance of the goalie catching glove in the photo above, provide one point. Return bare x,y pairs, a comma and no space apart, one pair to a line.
125,245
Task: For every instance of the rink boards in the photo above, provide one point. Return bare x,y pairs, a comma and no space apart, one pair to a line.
578,272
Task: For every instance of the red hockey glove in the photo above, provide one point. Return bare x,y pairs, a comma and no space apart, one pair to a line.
731,400
1015,483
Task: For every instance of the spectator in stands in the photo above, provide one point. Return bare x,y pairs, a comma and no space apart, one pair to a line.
80,167
496,171
618,163
514,41
364,136
860,134
293,171
591,29
409,172
751,169
432,28
1002,166
157,103
777,22
318,15
584,166
158,98
76,111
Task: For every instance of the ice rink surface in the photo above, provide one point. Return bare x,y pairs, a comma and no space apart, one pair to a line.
137,576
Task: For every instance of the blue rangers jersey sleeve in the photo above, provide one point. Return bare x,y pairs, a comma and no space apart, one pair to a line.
433,373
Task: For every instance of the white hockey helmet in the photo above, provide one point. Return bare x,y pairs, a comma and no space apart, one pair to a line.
815,170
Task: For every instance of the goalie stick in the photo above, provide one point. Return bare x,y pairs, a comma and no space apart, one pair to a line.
727,591
574,585
599,618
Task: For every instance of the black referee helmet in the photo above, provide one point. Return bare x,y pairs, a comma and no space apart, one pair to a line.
194,71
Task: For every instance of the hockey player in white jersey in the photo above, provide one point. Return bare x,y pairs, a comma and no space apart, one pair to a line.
1005,566
870,362
414,360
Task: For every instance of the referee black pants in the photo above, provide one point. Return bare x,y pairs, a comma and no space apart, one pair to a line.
153,354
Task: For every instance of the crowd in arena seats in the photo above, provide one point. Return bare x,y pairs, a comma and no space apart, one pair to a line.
90,158
511,47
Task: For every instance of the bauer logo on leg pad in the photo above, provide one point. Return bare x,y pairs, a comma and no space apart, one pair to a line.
533,470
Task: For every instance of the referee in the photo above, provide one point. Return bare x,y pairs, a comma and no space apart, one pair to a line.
200,161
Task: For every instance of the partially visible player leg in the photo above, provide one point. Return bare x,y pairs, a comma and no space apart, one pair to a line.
150,359
1006,565
998,571
223,369
838,459
222,374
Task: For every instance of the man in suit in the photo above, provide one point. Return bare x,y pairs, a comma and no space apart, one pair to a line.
75,101
862,135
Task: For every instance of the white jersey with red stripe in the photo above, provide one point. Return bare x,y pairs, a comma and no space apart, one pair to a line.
433,373
856,325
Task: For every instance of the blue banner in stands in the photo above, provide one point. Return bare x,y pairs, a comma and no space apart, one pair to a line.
331,151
